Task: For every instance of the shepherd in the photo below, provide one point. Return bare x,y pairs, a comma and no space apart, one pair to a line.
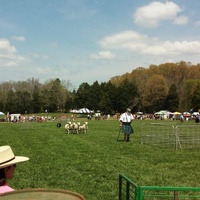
125,123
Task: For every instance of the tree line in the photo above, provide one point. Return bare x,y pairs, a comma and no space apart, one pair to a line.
169,86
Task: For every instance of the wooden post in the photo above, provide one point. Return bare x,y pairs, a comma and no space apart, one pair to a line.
175,195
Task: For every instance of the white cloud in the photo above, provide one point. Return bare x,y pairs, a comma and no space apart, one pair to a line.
183,47
124,40
103,55
19,38
181,20
197,23
9,56
8,64
43,70
153,13
11,60
6,47
132,41
168,48
54,44
39,56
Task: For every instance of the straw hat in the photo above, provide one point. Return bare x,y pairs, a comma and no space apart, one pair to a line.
128,110
7,157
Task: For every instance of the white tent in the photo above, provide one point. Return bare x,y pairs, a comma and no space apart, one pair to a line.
176,113
195,113
74,111
84,110
163,114
1,113
186,114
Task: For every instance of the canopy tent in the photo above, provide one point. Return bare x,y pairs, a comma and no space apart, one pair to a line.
74,111
84,110
1,113
186,114
139,113
176,113
195,113
163,112
81,111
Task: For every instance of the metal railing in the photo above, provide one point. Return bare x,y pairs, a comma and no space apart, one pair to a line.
128,190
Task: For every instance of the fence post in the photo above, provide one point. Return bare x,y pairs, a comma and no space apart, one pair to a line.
178,143
175,195
127,191
120,187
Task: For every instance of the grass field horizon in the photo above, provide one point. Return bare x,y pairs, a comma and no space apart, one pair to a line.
90,164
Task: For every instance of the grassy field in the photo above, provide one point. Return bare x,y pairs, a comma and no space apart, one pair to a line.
90,163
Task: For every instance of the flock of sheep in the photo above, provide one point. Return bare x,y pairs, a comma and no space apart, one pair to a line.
76,127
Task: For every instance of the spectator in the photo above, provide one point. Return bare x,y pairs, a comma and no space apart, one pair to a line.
8,163
181,118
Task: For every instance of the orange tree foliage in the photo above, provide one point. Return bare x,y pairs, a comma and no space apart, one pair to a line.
173,73
154,94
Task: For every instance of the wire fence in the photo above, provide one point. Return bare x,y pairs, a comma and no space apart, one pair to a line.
170,135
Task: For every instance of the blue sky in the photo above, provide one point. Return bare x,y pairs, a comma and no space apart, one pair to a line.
88,40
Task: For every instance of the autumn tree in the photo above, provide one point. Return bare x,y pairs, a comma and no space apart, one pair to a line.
143,89
155,93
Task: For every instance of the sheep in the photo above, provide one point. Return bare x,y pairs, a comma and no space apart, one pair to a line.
76,127
71,127
67,127
83,128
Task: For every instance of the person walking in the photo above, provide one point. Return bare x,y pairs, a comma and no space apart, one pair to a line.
125,124
8,163
181,118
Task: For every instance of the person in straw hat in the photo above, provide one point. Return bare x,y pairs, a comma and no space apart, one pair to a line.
8,163
125,124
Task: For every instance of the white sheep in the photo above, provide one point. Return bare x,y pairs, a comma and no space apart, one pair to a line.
76,127
83,128
67,127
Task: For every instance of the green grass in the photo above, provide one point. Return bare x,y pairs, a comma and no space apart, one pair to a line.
90,163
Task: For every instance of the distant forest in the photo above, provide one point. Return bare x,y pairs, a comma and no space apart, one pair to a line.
169,86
